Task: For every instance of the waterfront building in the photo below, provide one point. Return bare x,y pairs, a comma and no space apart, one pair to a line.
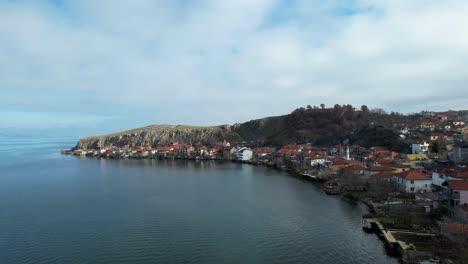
244,154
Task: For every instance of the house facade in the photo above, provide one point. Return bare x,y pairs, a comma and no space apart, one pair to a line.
382,176
413,181
440,177
244,154
459,154
457,198
317,161
420,148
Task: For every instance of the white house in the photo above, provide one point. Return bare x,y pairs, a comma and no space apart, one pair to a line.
420,148
412,181
317,161
244,154
438,178
458,123
404,131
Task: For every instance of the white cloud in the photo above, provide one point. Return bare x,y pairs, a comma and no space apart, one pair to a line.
227,61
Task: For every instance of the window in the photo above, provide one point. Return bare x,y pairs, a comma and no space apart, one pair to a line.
441,176
412,189
412,182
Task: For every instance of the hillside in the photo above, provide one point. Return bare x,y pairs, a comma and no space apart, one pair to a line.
160,135
318,126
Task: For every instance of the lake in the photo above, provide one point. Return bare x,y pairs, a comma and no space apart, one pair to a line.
66,209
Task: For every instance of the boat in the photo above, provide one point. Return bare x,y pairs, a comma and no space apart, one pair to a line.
368,225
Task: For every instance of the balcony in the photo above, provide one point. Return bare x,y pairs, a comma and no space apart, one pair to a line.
455,196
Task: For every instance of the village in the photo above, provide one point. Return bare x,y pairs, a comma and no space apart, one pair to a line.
418,199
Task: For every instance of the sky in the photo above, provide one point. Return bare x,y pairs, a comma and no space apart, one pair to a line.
86,67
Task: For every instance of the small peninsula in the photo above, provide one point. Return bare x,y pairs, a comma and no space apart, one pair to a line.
409,169
314,125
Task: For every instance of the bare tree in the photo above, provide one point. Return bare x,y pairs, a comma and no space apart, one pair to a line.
350,181
379,188
365,109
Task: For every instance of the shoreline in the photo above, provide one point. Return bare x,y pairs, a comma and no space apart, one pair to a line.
273,165
398,242
315,181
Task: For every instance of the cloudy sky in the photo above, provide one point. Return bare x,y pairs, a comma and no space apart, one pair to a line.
100,66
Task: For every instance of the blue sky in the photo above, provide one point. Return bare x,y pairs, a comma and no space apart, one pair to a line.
86,67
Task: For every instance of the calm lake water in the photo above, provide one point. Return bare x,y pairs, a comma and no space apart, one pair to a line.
64,209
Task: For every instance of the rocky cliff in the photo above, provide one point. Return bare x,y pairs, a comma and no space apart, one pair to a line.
161,135
321,127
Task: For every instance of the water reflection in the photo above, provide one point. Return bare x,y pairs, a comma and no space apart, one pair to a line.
84,210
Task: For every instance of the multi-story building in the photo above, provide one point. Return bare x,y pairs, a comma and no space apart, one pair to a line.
244,154
412,181
457,195
460,154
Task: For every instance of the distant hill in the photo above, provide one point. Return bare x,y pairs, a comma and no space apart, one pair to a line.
318,126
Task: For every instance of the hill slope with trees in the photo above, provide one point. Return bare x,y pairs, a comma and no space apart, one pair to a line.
319,126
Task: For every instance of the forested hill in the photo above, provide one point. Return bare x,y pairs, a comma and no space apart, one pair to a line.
316,125
328,126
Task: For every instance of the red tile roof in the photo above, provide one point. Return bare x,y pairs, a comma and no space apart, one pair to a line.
384,161
292,150
460,174
380,149
164,148
380,168
283,151
342,161
394,154
434,196
413,175
355,167
292,146
140,148
455,228
453,173
219,144
384,174
464,207
218,148
458,185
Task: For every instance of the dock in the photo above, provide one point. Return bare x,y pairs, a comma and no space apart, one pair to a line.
384,233
404,249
